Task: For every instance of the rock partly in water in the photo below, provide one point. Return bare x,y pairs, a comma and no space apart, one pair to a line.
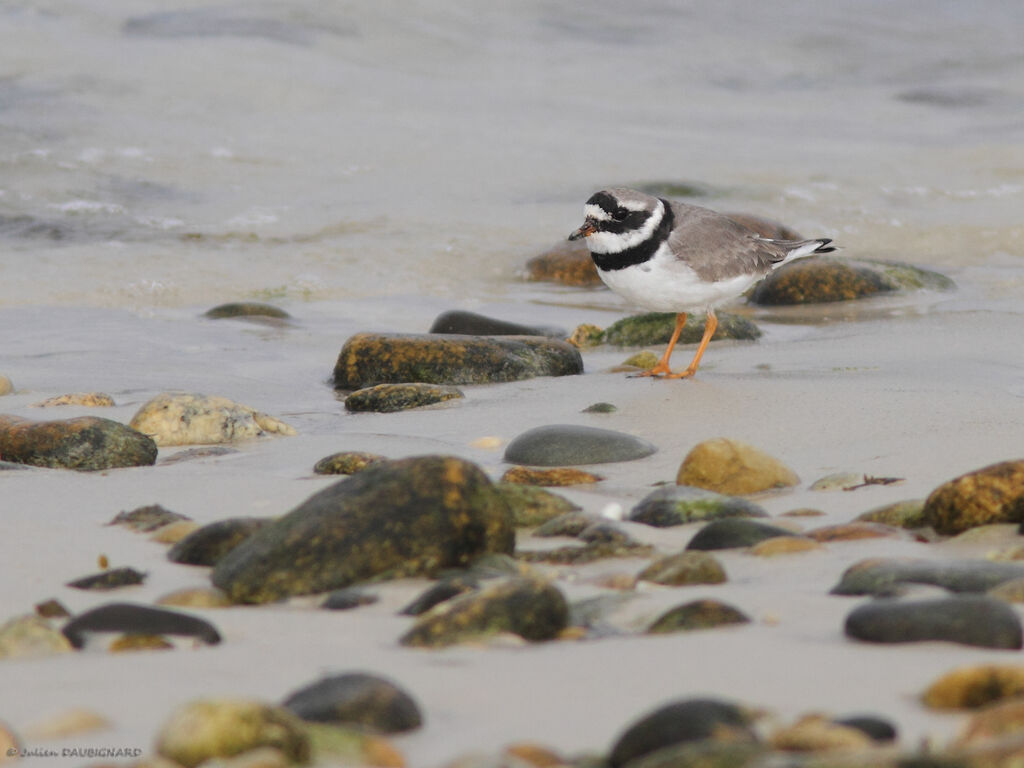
31,635
367,359
734,532
601,407
207,545
975,686
887,577
900,514
968,620
826,279
992,494
400,518
656,328
84,399
680,504
148,518
246,309
356,698
346,463
470,323
529,607
568,263
698,614
684,568
570,524
561,445
348,598
390,398
104,581
187,418
551,478
689,720
138,619
733,467
83,443
216,728
532,506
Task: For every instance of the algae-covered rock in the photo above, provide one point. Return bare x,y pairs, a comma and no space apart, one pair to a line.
992,494
84,399
460,321
356,698
389,398
400,518
568,263
697,614
551,478
83,443
657,327
683,568
901,514
211,728
367,359
731,466
346,463
532,506
188,418
975,686
680,504
560,445
529,607
246,309
828,279
207,545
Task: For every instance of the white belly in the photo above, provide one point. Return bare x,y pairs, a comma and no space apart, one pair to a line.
664,284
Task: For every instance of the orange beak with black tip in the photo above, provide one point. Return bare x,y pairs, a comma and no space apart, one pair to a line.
588,228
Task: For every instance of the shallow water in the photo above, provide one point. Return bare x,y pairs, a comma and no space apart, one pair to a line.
308,151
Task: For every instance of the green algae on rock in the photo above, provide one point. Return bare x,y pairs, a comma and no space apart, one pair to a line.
83,443
367,359
901,514
390,398
680,504
409,517
682,568
992,494
657,327
697,614
186,418
346,463
532,506
246,309
529,607
148,518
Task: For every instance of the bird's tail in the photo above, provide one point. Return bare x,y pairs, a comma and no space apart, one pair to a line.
798,249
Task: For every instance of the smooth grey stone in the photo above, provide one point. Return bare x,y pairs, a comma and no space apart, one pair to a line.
734,532
460,321
890,577
562,445
138,619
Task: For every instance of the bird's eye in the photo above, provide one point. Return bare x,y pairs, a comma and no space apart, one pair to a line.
620,214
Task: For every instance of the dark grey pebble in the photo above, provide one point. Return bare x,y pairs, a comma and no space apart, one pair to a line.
246,309
604,532
891,577
459,321
697,614
681,721
734,532
148,518
207,545
965,619
347,599
600,408
562,445
878,728
679,504
356,698
445,589
112,579
138,619
570,524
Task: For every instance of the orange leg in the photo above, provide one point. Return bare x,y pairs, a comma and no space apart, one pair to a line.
709,330
662,369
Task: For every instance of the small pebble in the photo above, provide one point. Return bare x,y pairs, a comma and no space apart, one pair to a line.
391,398
107,580
148,518
784,545
174,532
246,309
733,467
196,597
356,698
71,722
551,478
347,599
732,533
673,505
600,408
561,445
698,614
346,463
190,418
139,642
86,399
686,567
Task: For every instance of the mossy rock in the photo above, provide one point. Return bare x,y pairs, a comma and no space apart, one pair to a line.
83,443
657,327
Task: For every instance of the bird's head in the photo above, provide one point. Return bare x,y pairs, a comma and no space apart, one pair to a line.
618,218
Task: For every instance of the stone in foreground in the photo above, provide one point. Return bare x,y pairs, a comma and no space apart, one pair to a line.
411,517
561,445
83,443
188,418
733,467
656,328
367,359
974,687
992,494
356,698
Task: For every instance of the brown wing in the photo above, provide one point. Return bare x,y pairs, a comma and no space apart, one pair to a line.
716,247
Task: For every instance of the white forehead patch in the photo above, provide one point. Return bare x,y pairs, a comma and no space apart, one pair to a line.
592,211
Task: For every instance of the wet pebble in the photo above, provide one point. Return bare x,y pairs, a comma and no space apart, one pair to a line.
108,580
826,279
356,698
195,597
347,599
733,467
992,494
246,309
402,518
391,398
784,545
839,481
975,686
734,532
900,514
52,609
212,728
346,463
688,720
31,635
967,620
473,324
560,445
138,619
601,407
85,399
83,443
568,263
570,524
679,504
350,746
208,544
656,328
188,418
367,359
816,733
877,728
853,532
684,568
884,577
551,478
528,607
532,506
697,614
